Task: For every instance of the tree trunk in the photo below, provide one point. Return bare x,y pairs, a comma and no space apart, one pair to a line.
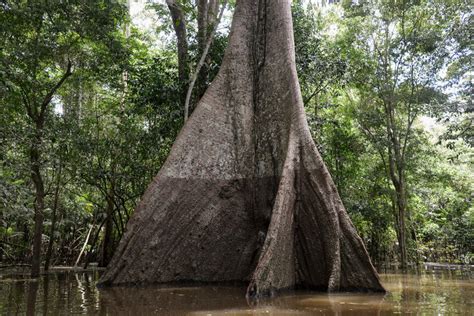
49,252
401,206
207,11
244,194
38,115
201,63
35,162
107,243
179,25
84,246
93,243
396,173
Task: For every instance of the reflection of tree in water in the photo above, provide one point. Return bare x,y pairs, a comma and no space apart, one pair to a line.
437,293
403,289
45,294
146,300
31,298
63,293
231,301
346,304
76,293
15,295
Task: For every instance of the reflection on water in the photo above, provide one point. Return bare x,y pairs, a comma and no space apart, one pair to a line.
67,292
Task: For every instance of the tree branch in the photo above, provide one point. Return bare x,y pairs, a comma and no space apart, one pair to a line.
201,62
51,93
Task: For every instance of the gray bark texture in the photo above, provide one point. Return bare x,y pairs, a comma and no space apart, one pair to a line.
179,25
244,195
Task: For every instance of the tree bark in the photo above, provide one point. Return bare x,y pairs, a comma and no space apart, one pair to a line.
179,25
401,207
207,17
244,195
49,252
35,162
107,243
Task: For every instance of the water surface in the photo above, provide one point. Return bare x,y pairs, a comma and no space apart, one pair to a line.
68,292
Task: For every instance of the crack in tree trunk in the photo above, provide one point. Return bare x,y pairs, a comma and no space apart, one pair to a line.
244,195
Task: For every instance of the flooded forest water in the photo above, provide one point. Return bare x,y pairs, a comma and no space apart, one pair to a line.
68,292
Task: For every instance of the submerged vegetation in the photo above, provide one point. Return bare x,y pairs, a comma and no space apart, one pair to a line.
90,105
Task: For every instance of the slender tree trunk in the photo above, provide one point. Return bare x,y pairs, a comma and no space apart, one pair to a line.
244,194
125,72
49,252
179,25
200,64
38,115
202,36
84,246
35,162
93,244
397,177
401,205
202,19
207,13
107,243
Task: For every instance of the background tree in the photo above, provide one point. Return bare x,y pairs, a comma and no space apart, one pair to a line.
397,84
195,22
40,40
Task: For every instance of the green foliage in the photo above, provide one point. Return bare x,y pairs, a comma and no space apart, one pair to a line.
110,126
392,55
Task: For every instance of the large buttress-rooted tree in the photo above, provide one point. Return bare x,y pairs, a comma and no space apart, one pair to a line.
244,195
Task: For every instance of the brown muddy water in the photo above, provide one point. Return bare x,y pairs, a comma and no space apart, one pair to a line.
68,292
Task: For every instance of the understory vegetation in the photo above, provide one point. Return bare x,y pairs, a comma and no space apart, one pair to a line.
91,102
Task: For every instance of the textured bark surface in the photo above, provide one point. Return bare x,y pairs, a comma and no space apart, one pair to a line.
179,25
244,194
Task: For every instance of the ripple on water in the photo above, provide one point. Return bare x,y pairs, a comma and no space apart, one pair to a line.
69,292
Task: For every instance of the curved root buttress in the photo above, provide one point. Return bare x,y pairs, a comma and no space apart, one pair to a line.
244,194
